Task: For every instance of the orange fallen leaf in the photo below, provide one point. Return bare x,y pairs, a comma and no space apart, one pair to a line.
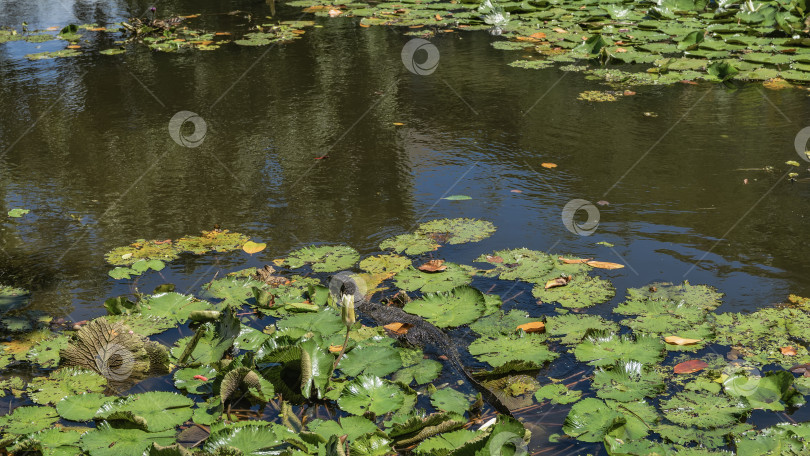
335,12
398,124
437,17
190,16
443,357
516,191
538,35
494,259
398,328
676,340
691,366
558,282
574,260
364,25
299,32
98,29
604,265
167,241
620,50
74,46
335,348
447,31
433,266
629,93
548,165
532,327
222,33
559,30
788,351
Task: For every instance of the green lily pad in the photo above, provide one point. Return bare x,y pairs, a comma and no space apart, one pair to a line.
368,393
412,279
581,291
26,420
17,212
602,349
460,306
627,382
82,407
457,231
62,383
106,440
410,244
501,350
557,393
324,258
703,409
450,400
378,361
154,411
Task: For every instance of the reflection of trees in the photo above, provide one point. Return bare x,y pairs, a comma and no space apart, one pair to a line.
104,153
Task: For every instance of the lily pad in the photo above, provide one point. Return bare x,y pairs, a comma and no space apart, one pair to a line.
368,393
324,258
460,306
581,291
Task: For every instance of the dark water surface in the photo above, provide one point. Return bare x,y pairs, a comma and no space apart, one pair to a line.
84,144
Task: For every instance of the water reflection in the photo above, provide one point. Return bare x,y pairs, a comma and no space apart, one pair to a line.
86,147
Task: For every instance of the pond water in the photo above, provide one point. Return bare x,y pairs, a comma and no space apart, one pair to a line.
85,145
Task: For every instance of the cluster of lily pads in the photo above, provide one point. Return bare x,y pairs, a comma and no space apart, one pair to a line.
269,360
668,40
171,38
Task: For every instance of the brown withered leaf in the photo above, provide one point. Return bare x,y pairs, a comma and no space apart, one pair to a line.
433,266
604,265
558,282
494,259
397,328
788,351
574,260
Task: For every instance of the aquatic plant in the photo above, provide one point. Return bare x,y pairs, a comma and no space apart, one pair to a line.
268,350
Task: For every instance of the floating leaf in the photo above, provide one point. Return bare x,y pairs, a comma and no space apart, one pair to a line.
17,212
460,306
690,367
535,326
368,393
254,247
457,198
676,340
